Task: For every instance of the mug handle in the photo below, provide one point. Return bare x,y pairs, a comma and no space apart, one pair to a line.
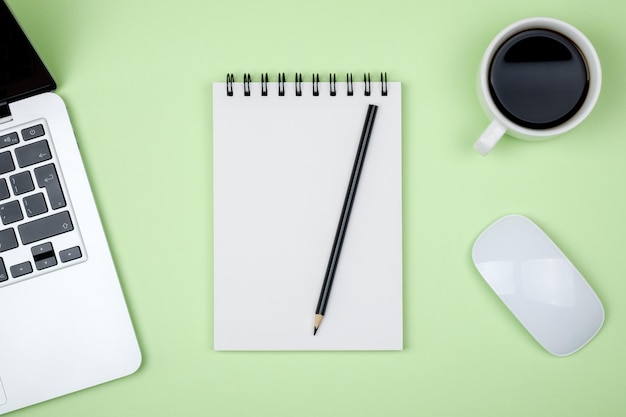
489,138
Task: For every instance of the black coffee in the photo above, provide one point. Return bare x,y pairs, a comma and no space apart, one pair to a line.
538,79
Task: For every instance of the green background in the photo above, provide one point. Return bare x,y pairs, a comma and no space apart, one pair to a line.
136,77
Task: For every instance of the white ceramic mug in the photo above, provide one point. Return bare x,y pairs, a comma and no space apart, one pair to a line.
500,123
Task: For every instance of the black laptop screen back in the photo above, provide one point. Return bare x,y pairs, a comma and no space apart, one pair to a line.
22,73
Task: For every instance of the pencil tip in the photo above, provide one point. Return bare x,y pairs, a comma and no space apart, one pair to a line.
318,321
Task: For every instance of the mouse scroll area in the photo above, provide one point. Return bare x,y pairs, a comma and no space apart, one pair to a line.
538,284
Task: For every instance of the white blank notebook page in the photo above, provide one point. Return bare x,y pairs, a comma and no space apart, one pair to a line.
282,165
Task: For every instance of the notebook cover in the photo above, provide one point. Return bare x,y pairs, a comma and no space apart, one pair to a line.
281,168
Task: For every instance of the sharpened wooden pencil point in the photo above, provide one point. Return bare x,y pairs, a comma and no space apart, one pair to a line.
318,321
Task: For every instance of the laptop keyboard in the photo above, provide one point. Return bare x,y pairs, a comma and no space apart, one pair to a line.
38,229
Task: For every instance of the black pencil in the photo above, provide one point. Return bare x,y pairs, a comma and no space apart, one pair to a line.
345,216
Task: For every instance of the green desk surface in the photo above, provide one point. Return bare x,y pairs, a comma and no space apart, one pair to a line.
136,76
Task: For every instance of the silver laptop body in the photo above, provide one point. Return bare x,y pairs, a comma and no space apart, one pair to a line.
64,324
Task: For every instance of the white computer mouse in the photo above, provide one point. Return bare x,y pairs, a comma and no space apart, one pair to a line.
539,284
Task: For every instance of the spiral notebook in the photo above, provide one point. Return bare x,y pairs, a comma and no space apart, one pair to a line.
283,153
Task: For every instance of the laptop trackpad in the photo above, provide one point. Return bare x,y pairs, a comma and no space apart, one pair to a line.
3,397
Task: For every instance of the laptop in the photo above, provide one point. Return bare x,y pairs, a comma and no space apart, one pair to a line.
64,324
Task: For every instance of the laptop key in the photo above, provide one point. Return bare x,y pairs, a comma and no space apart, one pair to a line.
6,162
3,271
32,132
10,212
22,183
45,227
42,251
47,178
70,254
35,205
8,240
4,189
8,140
21,269
32,153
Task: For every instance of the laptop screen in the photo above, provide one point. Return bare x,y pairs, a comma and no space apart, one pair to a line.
22,73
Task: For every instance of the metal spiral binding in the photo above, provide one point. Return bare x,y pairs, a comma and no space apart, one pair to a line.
316,85
383,84
264,81
281,84
332,80
230,79
350,86
246,84
298,84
